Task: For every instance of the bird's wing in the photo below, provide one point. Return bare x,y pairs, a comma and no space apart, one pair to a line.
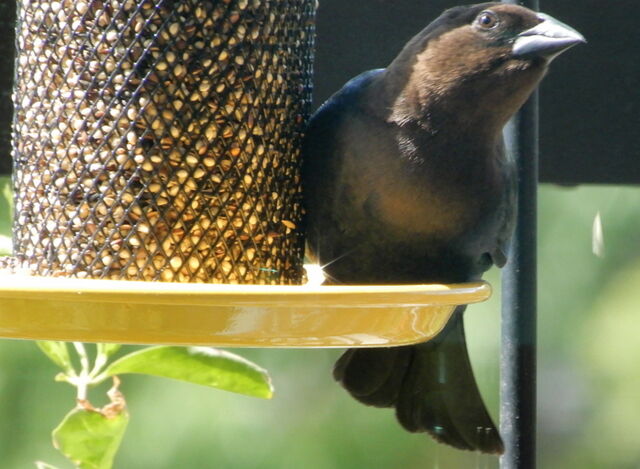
322,160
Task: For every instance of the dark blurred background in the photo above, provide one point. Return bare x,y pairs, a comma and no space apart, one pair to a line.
590,104
7,54
589,305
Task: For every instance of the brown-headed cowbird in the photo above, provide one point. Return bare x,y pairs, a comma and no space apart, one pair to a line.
406,180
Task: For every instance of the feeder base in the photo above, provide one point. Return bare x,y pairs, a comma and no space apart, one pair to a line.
44,308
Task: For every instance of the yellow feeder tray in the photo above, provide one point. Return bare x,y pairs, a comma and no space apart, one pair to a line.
45,308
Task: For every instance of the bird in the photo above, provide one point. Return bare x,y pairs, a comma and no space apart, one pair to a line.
405,180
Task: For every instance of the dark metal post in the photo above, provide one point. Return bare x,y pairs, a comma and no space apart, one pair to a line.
518,360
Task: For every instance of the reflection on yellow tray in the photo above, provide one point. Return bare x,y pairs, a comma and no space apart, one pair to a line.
227,315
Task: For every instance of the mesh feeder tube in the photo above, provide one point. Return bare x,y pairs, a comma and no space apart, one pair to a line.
159,139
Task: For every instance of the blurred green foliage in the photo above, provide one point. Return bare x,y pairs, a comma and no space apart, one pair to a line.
6,210
589,380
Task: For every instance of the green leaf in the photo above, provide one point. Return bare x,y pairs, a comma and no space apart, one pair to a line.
200,365
89,439
58,353
108,349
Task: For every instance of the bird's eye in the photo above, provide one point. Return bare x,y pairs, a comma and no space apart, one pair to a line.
487,20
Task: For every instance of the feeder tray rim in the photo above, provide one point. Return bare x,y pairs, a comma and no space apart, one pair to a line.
283,316
431,294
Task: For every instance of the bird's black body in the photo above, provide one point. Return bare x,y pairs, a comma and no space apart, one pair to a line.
406,180
421,219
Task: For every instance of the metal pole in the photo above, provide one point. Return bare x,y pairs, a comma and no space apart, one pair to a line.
519,285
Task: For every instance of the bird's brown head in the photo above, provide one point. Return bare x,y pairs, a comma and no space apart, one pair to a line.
486,59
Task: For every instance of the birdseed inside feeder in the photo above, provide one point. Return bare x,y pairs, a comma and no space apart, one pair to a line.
159,139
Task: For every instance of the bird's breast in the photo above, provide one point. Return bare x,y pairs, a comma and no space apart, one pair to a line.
437,199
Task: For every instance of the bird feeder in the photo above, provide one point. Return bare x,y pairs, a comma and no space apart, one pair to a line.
158,141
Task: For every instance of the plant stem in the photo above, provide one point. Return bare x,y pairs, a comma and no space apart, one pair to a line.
82,354
84,378
101,360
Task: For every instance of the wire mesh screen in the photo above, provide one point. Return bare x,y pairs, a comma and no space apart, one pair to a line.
159,139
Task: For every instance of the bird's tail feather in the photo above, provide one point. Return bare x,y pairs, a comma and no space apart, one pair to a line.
431,385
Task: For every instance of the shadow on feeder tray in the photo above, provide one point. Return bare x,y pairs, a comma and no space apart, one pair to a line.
310,315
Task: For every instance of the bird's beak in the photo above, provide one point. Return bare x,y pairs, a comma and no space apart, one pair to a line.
547,39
